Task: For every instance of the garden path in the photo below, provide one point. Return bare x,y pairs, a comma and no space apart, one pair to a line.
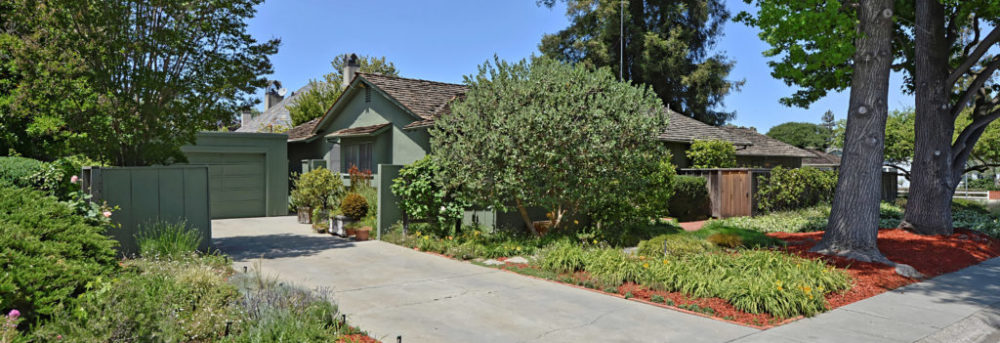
391,291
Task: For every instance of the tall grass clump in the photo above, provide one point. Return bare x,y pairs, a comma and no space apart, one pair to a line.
166,238
562,257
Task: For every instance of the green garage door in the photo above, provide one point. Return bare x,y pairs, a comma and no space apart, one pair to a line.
236,183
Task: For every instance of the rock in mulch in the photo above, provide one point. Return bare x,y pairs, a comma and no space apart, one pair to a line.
908,271
492,262
517,259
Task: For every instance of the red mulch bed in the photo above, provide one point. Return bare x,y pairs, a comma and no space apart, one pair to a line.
930,255
357,338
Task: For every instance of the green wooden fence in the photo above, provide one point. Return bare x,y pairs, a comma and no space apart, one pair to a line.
146,194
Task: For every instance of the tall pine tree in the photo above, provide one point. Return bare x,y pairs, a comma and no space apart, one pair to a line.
667,45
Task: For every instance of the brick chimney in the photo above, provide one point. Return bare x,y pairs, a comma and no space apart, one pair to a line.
350,70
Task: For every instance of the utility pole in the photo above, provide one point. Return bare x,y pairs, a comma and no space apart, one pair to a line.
621,43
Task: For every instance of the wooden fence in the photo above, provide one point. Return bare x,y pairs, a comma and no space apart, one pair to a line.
147,194
732,192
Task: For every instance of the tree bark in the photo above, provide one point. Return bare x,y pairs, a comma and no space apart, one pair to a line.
854,217
933,179
524,216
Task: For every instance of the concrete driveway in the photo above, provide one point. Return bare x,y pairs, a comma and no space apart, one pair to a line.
392,291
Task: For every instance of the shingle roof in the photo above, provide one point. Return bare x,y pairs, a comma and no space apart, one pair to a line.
684,129
764,145
821,158
423,98
303,131
276,115
360,130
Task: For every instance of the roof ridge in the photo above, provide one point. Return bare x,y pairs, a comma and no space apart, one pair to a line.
413,79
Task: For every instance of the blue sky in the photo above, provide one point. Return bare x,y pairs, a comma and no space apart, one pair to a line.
444,40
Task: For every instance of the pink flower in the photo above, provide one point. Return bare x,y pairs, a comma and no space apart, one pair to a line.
74,179
107,214
14,314
58,336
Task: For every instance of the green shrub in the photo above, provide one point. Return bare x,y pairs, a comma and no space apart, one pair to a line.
747,238
319,188
562,257
674,245
612,266
789,189
354,206
712,154
656,298
424,197
725,240
801,220
51,178
165,238
986,183
690,200
754,281
48,253
629,235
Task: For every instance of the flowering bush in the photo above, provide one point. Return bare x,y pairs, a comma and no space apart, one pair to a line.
8,326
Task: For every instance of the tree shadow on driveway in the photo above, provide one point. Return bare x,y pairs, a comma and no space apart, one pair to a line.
244,248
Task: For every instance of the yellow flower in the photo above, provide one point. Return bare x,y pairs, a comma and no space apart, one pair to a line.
418,233
518,248
449,238
807,289
666,261
426,238
595,241
642,258
780,289
820,289
476,233
645,265
810,296
576,222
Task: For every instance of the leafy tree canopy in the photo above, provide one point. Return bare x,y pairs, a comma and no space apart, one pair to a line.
128,81
712,154
318,99
542,133
803,135
667,45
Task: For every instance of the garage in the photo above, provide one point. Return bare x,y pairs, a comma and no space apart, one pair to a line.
247,172
236,184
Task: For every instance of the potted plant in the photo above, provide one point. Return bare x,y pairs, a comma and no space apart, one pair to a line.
363,234
296,203
320,219
350,229
313,190
354,207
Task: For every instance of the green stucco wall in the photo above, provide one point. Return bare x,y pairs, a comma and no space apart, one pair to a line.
273,146
392,146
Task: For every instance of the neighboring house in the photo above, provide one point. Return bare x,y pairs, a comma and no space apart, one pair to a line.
764,151
822,160
752,149
276,117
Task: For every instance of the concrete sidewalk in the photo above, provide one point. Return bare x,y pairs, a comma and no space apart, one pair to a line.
959,307
390,291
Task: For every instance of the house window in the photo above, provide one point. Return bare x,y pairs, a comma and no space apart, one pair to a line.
359,155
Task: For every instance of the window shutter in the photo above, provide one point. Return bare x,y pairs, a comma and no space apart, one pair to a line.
334,160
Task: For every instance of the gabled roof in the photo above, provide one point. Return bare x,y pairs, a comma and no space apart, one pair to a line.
821,158
764,145
421,97
277,115
302,132
684,129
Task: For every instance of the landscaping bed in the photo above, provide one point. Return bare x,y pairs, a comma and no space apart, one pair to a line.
947,254
770,303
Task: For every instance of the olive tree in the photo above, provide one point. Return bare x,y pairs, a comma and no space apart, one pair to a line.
542,133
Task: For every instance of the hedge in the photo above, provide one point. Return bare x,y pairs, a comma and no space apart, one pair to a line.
690,200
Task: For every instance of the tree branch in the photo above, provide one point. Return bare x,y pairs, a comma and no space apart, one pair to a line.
971,59
905,173
981,77
981,168
970,134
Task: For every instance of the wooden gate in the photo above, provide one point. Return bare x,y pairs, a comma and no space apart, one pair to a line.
734,196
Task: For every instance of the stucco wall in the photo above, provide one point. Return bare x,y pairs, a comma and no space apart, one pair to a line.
393,146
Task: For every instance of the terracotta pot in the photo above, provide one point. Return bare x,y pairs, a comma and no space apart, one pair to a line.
542,226
350,231
363,233
305,214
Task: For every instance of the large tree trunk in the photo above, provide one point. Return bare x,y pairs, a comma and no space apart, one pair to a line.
933,177
854,218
